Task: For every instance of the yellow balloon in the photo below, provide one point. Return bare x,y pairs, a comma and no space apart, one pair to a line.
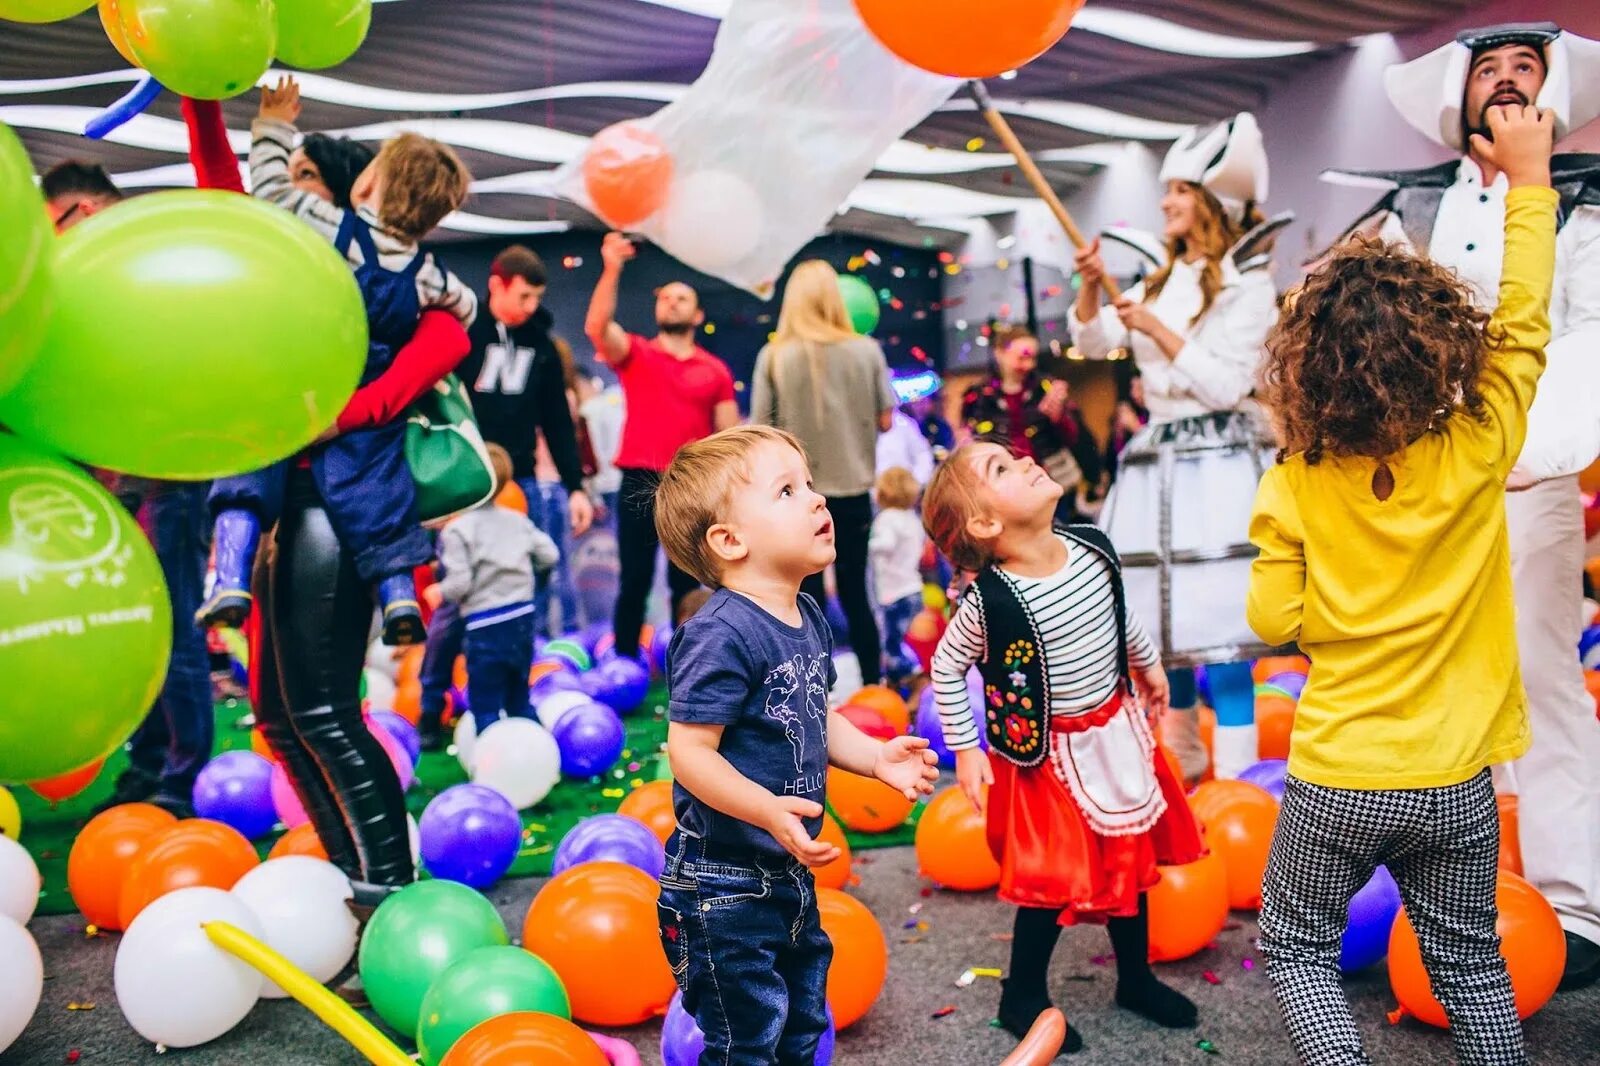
10,816
111,21
311,994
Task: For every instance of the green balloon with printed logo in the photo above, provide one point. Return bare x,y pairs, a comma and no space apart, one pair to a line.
25,252
207,49
196,334
860,302
85,623
42,10
314,34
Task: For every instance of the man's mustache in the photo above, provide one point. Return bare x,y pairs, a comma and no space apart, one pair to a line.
1499,99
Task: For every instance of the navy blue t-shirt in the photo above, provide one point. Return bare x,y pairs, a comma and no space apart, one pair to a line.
767,682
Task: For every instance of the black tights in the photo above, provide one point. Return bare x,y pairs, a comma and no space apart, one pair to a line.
315,615
1034,937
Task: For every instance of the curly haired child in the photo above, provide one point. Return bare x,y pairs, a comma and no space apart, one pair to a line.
1383,552
1079,807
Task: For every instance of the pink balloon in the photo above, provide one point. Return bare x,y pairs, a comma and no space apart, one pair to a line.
403,767
290,810
617,1052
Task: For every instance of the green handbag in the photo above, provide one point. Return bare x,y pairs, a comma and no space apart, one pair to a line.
446,453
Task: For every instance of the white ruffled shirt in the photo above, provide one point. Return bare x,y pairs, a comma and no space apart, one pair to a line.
1222,353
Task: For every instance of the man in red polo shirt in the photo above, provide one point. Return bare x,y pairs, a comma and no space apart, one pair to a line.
676,392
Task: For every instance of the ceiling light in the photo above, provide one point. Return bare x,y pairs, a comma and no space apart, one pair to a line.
927,199
463,222
1085,117
1162,35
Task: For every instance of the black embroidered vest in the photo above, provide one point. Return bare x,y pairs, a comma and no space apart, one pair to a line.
1016,674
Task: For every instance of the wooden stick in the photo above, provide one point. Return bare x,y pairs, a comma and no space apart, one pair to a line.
1002,129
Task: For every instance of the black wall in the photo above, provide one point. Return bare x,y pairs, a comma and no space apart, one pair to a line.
737,323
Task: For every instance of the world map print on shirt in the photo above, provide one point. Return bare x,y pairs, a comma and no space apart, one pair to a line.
765,683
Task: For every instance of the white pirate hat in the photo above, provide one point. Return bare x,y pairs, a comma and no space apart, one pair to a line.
1228,160
1428,90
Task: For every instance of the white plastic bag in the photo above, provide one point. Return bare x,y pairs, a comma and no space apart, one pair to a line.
798,102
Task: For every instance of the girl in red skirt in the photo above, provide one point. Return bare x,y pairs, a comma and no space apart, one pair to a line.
1080,806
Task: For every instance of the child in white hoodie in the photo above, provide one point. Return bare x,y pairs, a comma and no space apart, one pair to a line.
895,549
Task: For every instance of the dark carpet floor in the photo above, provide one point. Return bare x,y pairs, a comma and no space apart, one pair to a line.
1238,1016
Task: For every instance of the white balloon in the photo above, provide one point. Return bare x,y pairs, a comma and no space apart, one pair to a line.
21,980
712,219
380,690
19,881
381,659
519,759
300,902
558,705
466,741
174,986
414,834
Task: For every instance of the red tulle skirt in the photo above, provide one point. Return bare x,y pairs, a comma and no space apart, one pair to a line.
1049,855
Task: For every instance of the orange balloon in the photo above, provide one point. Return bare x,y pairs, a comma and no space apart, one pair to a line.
458,672
1510,835
524,1037
887,702
1274,724
196,851
1270,666
1188,908
408,701
952,845
1531,939
1591,681
837,873
963,39
301,840
410,667
627,173
652,804
259,745
512,498
102,854
1238,818
594,923
543,669
865,804
111,22
65,786
860,956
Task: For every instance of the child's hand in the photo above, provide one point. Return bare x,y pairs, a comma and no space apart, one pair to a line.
783,821
906,765
1520,142
281,102
974,775
1151,684
433,596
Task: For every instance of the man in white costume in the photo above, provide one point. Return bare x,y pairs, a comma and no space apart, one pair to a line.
1455,213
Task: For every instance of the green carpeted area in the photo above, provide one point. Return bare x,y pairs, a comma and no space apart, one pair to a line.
48,830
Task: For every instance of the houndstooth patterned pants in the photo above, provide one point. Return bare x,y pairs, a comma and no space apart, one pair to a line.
1441,845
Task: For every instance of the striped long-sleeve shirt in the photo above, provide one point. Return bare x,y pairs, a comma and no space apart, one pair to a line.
271,142
1076,616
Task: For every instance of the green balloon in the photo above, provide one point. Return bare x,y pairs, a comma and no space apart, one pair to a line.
570,650
196,334
85,623
207,49
485,984
25,257
313,34
42,10
861,302
415,935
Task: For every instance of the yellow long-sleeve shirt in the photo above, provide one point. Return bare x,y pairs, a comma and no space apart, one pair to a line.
1404,605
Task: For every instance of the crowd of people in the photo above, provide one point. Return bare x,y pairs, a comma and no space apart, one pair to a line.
1325,470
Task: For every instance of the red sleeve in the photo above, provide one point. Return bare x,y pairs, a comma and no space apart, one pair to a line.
215,165
439,344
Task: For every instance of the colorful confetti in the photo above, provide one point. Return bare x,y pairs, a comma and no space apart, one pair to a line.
1211,978
915,908
73,1056
1247,964
80,1006
942,1012
975,144
1207,1046
966,979
1101,960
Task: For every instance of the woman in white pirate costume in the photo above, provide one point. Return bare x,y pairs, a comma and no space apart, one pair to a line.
1180,510
1455,213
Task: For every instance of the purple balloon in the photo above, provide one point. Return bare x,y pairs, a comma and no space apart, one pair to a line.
1268,774
658,649
458,700
682,1041
1291,682
235,788
625,683
470,834
1372,915
591,739
591,635
927,723
402,731
610,838
551,683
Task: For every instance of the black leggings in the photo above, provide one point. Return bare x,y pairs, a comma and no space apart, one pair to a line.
314,619
637,543
852,526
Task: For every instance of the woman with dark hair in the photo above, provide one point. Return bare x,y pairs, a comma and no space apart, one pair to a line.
328,166
1180,510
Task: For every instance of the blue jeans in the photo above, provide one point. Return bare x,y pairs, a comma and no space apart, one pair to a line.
756,921
547,507
445,631
174,741
896,620
499,658
1233,691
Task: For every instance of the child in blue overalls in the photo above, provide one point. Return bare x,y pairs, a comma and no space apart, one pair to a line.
361,476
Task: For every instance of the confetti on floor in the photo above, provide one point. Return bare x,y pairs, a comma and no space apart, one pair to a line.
1211,978
942,1012
1207,1046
